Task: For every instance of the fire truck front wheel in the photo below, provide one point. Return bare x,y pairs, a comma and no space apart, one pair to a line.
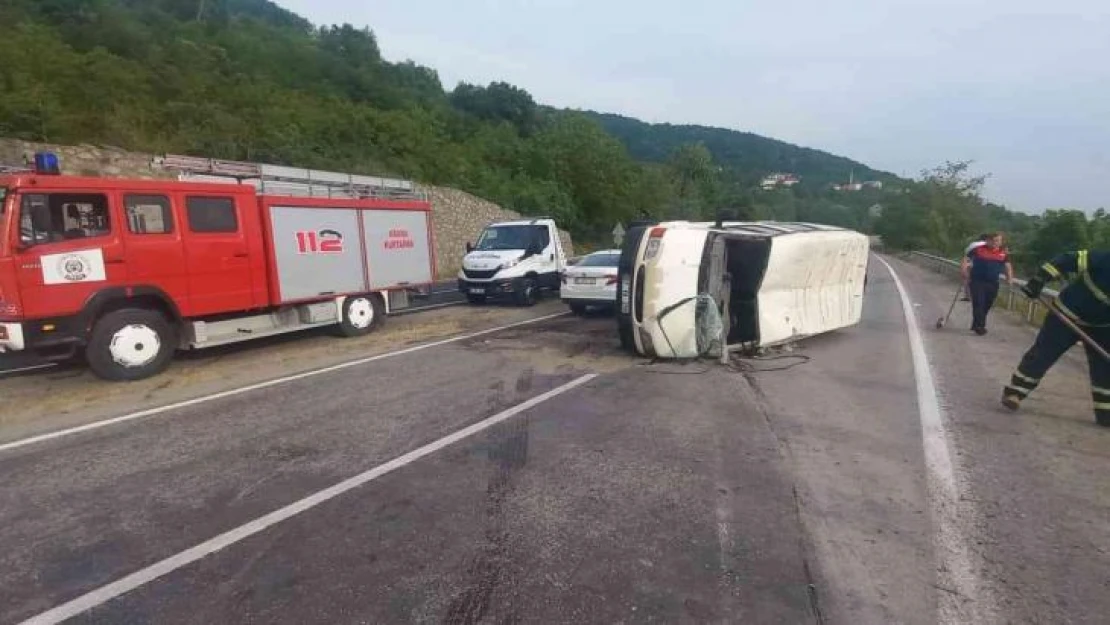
361,315
130,344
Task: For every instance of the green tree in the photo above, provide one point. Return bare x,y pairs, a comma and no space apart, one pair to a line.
1059,231
694,178
497,102
940,212
592,165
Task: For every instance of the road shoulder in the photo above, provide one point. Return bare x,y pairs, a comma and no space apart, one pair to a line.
1036,479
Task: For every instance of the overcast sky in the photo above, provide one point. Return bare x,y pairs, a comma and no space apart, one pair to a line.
1022,87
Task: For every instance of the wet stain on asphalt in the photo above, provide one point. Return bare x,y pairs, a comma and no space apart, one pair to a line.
496,397
524,381
285,453
74,568
488,568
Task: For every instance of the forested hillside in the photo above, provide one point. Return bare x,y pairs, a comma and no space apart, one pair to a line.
246,79
741,154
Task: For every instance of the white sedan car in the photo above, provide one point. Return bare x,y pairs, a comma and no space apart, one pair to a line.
592,281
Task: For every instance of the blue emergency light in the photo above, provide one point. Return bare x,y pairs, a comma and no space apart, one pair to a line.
46,163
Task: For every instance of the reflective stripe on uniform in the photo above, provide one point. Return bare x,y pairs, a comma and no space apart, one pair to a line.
1022,382
1102,405
1100,390
1088,280
1099,293
1013,390
1051,270
1074,317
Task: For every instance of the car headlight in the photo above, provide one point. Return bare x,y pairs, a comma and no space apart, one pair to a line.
511,263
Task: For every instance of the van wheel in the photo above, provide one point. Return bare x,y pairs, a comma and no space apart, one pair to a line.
362,314
131,344
528,293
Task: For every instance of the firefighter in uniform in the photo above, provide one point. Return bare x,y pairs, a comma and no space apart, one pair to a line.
1085,301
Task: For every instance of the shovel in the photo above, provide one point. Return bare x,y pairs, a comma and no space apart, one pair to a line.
955,298
1083,336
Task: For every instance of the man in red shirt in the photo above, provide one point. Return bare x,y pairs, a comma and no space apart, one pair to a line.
981,269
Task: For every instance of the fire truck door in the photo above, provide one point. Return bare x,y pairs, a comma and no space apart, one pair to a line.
217,256
155,252
69,249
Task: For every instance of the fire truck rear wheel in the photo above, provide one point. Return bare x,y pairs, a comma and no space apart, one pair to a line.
361,315
130,344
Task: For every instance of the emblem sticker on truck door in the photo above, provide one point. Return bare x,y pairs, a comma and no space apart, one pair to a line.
70,267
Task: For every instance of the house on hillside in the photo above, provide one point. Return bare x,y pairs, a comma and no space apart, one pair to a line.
852,185
772,181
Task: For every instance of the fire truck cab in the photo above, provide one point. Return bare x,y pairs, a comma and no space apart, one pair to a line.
126,271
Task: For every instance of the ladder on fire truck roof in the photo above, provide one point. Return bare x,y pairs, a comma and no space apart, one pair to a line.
293,181
15,169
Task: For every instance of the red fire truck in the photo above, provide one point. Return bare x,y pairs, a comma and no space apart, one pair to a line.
125,272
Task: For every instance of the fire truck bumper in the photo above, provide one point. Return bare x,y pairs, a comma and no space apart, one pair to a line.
11,337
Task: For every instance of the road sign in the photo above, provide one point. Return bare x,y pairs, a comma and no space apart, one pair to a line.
618,234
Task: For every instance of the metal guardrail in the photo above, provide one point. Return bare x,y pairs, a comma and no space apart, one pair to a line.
1010,296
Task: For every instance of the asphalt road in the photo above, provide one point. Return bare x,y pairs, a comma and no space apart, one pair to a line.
793,490
442,294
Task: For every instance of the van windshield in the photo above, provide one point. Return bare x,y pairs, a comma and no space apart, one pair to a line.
507,237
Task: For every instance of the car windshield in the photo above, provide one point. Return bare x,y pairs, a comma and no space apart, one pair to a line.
600,260
506,238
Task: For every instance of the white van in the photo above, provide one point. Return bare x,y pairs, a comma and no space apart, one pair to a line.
769,282
513,259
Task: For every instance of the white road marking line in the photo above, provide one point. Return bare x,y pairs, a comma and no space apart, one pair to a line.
25,369
143,576
968,603
253,387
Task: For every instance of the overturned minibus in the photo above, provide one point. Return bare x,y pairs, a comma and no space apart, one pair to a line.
694,289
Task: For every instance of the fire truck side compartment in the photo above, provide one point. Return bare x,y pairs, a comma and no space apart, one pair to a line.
398,247
304,273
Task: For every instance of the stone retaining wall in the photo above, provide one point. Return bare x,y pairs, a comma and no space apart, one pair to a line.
457,216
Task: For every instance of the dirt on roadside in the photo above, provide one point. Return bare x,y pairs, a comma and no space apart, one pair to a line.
66,396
